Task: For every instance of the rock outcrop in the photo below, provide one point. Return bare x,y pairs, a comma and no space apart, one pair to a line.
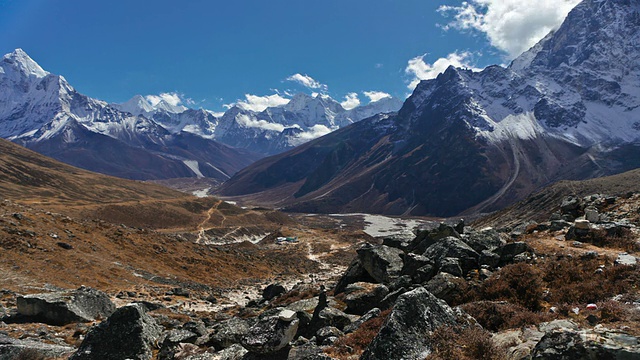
406,333
59,308
129,333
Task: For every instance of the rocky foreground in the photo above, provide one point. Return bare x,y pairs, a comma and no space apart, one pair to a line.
562,289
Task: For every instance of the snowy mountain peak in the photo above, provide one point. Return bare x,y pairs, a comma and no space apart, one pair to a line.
20,61
140,105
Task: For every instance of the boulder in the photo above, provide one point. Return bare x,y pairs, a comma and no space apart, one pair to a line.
400,241
307,351
373,313
489,258
171,343
355,273
573,345
571,206
509,251
129,333
269,335
233,352
382,263
331,316
226,333
591,214
582,224
328,335
428,237
362,297
11,348
451,247
626,259
406,333
451,265
60,308
413,262
390,299
273,291
485,239
444,286
196,327
557,225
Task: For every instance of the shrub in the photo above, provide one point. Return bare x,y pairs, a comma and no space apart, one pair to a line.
356,342
575,281
497,316
453,342
517,283
617,238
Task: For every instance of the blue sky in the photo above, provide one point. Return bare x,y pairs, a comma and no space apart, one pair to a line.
215,52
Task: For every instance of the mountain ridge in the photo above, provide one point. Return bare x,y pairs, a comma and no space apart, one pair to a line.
477,141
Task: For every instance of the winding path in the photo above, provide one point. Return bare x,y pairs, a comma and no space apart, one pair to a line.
201,229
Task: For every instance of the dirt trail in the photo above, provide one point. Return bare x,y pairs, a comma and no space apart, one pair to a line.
201,229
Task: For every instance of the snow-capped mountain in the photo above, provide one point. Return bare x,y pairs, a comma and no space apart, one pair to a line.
271,131
569,108
43,112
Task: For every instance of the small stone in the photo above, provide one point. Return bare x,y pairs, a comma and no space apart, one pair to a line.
582,224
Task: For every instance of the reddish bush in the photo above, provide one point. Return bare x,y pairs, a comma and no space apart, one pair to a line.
464,344
496,316
517,283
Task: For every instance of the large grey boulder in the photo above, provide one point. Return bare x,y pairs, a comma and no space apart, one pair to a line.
445,286
273,291
362,297
566,344
451,247
127,334
226,333
308,351
355,273
509,251
11,348
426,237
419,267
485,239
172,342
60,308
270,334
233,352
382,263
373,313
406,333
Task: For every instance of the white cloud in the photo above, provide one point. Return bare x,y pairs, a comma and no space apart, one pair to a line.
376,95
307,81
314,132
259,103
512,26
350,101
173,99
420,70
248,121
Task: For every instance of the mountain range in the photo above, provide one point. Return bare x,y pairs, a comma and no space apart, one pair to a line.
568,108
140,140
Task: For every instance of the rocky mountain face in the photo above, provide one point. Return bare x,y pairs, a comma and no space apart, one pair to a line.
43,112
476,141
266,132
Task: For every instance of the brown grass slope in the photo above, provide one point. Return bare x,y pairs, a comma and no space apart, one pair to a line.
29,176
543,203
33,179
